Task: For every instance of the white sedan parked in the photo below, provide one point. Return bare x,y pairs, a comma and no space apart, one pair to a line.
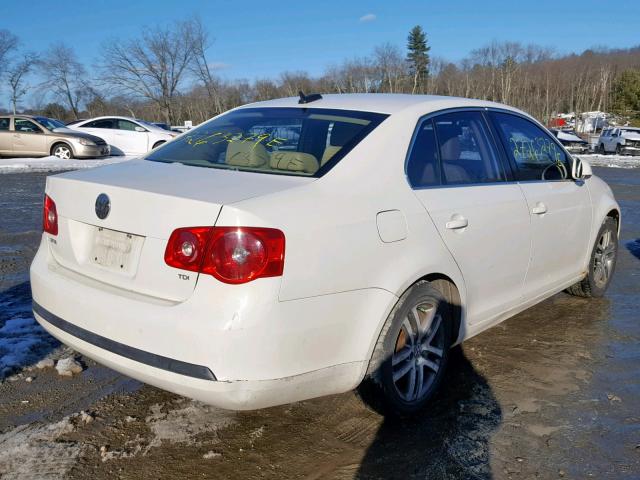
126,136
296,248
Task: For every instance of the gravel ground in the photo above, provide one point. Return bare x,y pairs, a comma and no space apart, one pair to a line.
551,393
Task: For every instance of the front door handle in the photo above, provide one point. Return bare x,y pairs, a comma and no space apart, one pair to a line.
457,223
539,209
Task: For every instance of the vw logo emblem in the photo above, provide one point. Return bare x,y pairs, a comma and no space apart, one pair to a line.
103,206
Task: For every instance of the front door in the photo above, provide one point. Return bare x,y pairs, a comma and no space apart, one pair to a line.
28,138
559,207
457,173
131,140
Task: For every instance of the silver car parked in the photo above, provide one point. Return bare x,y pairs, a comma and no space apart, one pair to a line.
33,136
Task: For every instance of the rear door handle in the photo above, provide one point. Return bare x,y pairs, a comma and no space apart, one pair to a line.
457,223
539,209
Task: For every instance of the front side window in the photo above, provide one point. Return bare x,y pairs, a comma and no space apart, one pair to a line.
467,154
290,141
4,124
126,125
534,153
25,126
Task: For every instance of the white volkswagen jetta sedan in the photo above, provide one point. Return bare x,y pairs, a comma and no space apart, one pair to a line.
126,136
295,248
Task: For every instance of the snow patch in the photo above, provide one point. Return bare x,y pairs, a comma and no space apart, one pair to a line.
54,164
67,367
613,161
184,424
35,452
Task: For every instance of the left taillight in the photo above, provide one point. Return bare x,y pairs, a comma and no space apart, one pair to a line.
230,254
50,216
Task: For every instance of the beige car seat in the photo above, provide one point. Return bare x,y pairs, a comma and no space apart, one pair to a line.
294,162
246,154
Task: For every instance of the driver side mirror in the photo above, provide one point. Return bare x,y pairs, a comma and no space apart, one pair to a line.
140,129
580,169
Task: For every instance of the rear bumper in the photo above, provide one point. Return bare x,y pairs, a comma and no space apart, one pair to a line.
235,347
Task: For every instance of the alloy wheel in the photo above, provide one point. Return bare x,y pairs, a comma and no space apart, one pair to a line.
604,259
418,352
62,152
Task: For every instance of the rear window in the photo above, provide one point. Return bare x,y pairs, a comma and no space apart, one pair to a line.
289,141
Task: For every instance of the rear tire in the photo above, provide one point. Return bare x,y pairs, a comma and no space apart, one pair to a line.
618,149
602,263
410,358
62,151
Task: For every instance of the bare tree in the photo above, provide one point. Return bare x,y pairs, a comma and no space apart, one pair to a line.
17,74
65,76
154,66
8,43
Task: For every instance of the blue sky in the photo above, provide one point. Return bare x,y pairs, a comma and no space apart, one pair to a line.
259,39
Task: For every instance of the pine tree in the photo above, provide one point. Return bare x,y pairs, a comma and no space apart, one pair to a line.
418,57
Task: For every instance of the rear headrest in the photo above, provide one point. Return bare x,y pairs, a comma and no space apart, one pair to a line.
294,161
450,150
246,155
343,132
445,132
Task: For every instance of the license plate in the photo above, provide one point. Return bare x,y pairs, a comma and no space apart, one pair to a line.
116,251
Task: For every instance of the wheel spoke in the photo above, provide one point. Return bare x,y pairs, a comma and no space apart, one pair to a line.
433,350
419,382
410,395
403,370
410,330
435,326
401,356
433,366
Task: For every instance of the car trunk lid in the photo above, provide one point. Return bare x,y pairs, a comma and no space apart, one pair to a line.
147,201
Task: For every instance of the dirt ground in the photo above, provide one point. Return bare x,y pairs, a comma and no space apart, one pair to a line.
551,393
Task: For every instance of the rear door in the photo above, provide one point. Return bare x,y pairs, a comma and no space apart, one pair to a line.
559,207
28,138
456,171
6,135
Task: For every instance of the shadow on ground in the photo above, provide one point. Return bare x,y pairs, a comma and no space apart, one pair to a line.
634,248
449,440
23,341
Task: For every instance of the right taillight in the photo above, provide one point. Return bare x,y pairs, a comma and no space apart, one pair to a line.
49,216
231,254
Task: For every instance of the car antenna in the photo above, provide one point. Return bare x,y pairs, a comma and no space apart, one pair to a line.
312,97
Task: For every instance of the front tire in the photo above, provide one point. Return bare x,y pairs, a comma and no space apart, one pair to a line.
602,150
62,151
410,358
602,263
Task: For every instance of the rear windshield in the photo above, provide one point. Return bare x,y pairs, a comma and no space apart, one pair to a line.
289,141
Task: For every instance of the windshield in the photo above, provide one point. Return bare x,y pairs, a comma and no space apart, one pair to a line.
290,141
49,123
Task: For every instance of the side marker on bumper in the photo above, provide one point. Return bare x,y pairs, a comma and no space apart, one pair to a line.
151,359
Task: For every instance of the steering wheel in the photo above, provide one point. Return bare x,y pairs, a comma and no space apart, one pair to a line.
561,168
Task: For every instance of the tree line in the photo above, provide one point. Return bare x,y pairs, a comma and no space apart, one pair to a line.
166,74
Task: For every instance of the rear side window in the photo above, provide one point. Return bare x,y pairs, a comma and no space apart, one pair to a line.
289,141
535,154
104,123
4,124
423,167
467,154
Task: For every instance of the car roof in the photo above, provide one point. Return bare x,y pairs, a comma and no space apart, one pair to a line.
388,103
